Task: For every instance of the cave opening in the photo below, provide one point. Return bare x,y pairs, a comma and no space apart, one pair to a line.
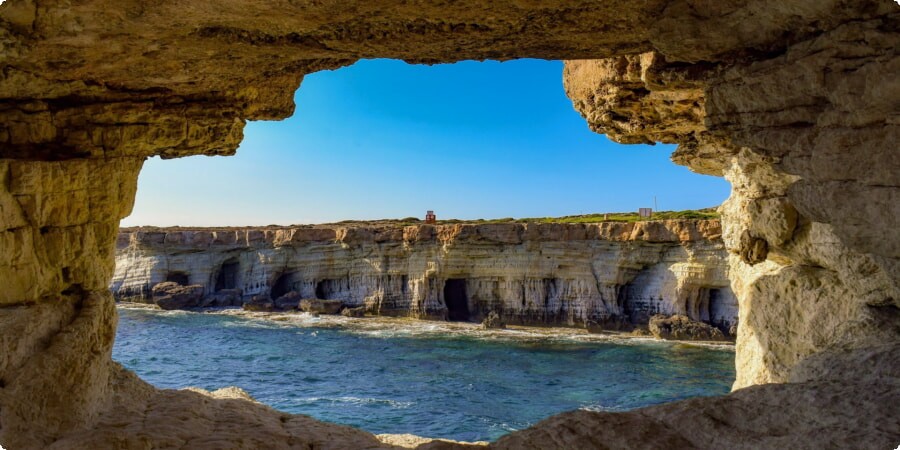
456,300
181,278
228,275
455,291
282,285
715,306
325,288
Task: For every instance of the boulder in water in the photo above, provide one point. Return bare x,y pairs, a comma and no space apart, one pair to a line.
170,295
288,302
493,321
314,305
260,303
682,328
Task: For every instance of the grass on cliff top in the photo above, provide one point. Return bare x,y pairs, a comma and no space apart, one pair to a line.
700,214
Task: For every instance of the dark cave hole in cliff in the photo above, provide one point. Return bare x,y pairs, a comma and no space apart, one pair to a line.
181,278
228,275
456,300
282,285
715,305
327,289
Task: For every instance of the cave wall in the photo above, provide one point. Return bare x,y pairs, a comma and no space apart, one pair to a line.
795,102
808,140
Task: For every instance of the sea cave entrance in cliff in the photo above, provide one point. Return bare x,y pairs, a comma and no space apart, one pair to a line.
282,285
716,309
456,300
228,275
181,278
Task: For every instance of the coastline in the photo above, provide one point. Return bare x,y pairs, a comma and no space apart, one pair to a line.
407,327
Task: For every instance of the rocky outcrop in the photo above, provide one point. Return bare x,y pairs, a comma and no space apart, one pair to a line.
610,275
359,311
493,321
289,301
259,304
169,295
317,306
794,102
682,328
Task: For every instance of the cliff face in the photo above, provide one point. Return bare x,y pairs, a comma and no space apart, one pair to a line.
795,102
610,275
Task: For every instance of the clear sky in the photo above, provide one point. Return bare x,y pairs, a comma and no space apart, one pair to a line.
384,139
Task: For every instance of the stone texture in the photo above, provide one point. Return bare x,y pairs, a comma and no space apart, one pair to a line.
359,311
169,295
259,303
682,328
493,321
289,301
795,102
314,305
600,276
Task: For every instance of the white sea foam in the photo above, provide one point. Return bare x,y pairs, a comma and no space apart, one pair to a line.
356,401
392,327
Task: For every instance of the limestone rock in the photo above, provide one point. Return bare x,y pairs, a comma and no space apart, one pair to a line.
493,321
753,250
169,295
317,306
790,100
225,297
289,301
683,328
359,311
605,276
260,304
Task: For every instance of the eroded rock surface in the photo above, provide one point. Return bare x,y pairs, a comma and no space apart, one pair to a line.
170,295
795,102
609,275
680,327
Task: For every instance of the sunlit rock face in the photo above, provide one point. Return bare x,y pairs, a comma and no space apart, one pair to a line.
795,102
812,159
603,276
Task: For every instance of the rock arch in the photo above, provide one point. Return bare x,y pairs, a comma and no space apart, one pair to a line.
795,102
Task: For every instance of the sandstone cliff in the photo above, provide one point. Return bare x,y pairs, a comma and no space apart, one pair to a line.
608,275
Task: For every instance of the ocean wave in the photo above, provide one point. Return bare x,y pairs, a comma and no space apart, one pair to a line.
393,327
397,404
597,407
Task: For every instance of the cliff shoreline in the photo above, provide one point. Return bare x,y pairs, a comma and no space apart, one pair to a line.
609,276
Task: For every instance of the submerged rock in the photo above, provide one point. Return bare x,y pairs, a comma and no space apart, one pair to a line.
314,305
493,321
170,295
359,311
680,327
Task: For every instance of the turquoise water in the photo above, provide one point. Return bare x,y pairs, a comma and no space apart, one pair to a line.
433,379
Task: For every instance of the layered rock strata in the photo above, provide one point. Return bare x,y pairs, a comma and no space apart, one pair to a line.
603,276
795,102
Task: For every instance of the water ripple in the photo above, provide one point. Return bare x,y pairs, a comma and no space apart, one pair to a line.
389,375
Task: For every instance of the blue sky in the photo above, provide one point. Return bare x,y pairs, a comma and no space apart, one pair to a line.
384,139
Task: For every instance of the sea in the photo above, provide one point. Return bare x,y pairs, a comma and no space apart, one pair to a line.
449,380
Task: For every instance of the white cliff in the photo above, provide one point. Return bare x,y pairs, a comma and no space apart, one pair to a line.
603,276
